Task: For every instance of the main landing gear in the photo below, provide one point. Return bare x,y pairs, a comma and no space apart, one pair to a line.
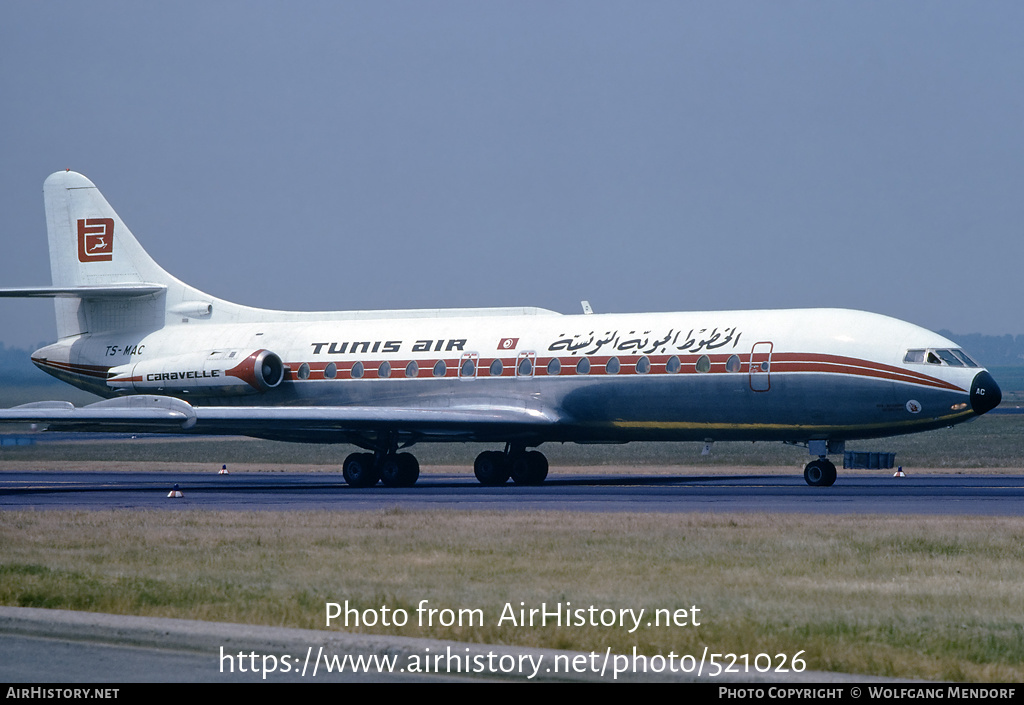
820,473
393,469
494,467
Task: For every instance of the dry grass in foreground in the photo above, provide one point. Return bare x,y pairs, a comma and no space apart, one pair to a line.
921,597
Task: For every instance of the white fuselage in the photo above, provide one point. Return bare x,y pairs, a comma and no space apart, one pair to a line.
757,375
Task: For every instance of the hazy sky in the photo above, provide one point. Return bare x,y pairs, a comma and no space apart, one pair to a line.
644,156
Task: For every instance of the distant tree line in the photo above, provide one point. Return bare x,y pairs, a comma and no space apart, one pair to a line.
16,367
990,350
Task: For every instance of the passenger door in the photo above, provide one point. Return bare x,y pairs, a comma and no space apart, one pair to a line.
761,367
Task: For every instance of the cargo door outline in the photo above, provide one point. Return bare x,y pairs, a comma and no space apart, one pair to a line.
761,366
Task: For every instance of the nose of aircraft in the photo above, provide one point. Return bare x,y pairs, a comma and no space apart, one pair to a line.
985,393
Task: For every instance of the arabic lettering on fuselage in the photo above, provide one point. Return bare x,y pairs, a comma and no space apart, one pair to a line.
643,342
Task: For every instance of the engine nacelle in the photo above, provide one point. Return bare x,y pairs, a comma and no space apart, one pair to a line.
214,373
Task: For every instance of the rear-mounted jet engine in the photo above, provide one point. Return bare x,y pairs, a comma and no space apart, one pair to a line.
214,373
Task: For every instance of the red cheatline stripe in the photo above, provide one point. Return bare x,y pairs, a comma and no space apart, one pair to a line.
814,362
780,363
84,370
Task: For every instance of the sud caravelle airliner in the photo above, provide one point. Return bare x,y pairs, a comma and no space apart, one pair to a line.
172,359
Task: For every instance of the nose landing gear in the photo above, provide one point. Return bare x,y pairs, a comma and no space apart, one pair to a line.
820,473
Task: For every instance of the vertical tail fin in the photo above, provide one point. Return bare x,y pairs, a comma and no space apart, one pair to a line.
91,246
104,281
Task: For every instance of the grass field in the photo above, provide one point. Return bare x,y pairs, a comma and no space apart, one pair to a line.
917,597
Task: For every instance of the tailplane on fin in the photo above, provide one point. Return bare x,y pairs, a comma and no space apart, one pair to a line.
103,279
90,246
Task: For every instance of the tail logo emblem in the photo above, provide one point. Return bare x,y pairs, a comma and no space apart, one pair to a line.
95,239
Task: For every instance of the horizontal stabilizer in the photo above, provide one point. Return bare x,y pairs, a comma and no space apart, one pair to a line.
84,292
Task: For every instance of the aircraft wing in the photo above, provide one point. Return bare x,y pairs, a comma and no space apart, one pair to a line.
160,414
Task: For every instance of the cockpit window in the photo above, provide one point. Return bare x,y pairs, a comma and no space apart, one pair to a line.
954,357
965,358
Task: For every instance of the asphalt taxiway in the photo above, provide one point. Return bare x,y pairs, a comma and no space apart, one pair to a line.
994,495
